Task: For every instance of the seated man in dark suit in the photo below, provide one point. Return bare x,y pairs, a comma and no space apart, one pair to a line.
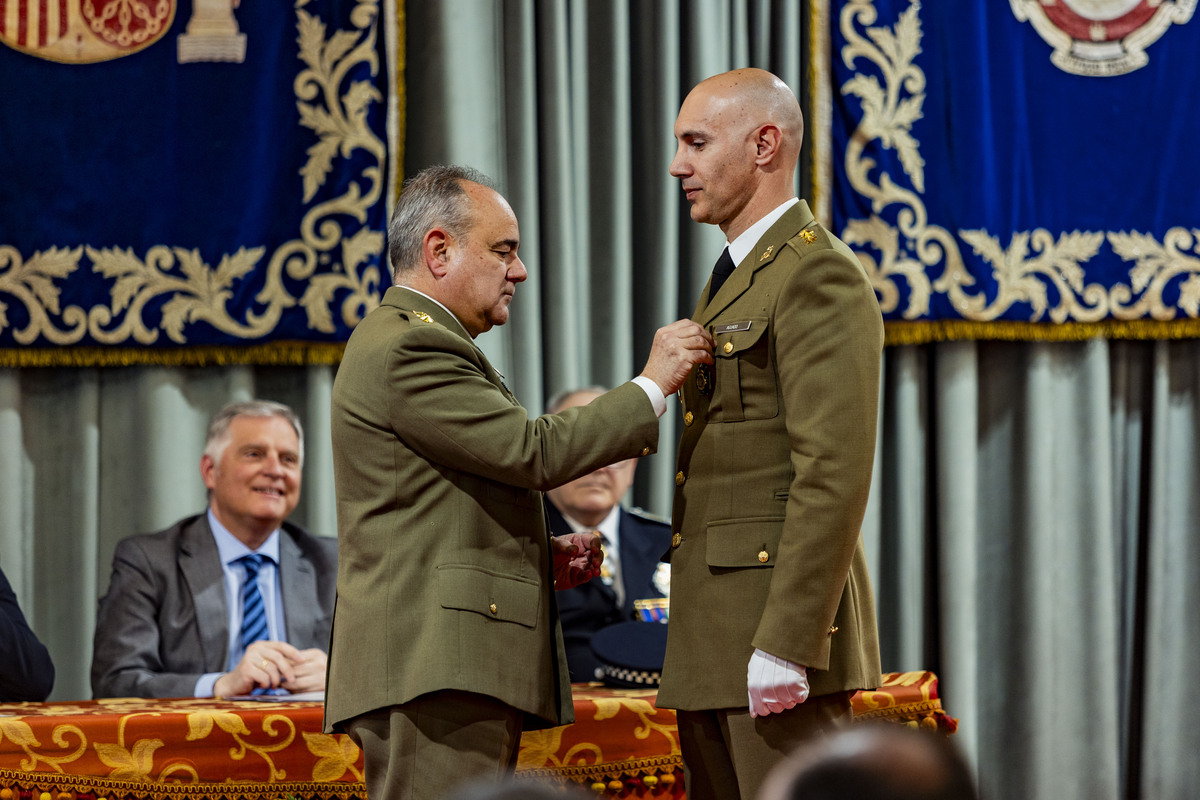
26,672
633,542
231,601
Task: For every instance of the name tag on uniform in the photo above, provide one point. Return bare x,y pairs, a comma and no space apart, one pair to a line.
732,327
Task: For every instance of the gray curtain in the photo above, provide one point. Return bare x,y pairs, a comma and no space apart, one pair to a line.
1032,526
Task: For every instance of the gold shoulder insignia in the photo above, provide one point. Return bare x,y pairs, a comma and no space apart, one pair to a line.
766,253
808,236
421,315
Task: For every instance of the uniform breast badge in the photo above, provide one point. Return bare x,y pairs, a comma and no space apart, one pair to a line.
703,379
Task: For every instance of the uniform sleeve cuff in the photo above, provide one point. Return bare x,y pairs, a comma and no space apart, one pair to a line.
657,399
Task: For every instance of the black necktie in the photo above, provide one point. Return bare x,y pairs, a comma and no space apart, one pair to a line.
722,270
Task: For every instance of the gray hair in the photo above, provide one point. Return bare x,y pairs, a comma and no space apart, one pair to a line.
218,427
556,403
433,198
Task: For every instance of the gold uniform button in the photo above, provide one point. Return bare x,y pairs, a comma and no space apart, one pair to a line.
645,451
687,418
763,556
728,348
676,539
492,608
679,479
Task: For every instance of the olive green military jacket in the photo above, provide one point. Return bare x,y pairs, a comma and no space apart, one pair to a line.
774,469
444,569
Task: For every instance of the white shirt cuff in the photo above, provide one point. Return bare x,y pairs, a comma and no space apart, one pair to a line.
657,399
206,683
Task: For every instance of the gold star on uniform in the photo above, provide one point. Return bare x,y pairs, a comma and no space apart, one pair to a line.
808,236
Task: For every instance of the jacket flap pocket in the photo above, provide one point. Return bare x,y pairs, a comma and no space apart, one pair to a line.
504,597
744,542
736,337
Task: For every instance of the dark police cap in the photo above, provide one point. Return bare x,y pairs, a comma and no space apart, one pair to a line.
631,653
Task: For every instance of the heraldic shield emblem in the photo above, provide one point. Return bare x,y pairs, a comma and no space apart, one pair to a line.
1102,38
83,31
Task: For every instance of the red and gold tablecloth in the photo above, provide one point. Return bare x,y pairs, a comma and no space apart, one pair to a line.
187,748
191,749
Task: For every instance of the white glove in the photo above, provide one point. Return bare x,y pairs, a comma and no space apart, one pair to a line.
774,684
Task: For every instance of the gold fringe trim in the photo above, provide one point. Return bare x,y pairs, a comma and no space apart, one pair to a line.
54,786
608,770
902,333
401,109
289,354
820,73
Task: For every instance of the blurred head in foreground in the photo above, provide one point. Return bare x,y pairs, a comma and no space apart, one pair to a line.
880,761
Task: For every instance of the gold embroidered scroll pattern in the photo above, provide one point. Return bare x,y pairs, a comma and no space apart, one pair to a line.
1034,260
1155,265
31,282
610,707
336,754
197,291
21,734
201,724
341,126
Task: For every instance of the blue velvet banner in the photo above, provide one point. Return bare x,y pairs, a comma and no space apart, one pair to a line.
190,181
1020,169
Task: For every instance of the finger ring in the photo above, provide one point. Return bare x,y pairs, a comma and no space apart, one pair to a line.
263,663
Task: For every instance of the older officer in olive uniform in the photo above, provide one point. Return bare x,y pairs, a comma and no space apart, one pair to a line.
445,636
775,460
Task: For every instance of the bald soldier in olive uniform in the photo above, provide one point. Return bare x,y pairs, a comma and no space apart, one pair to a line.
772,615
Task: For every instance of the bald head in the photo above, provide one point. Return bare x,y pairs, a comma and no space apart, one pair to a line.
739,136
760,98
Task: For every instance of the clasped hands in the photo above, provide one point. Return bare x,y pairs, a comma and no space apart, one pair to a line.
774,684
577,558
274,665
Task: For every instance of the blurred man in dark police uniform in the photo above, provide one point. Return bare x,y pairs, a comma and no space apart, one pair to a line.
633,543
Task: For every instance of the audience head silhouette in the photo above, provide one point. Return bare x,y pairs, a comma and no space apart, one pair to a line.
880,761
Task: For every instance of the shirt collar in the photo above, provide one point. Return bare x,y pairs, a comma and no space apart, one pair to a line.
231,548
740,247
608,527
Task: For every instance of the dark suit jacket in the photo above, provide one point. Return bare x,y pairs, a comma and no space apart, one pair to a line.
773,474
445,572
591,606
164,621
26,672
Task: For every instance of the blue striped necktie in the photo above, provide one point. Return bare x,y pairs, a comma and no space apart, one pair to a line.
254,611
